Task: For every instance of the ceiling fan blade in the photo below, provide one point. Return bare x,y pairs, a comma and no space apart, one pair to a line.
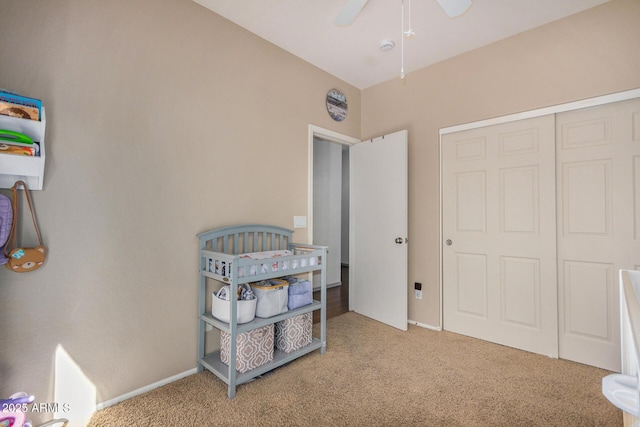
454,8
349,12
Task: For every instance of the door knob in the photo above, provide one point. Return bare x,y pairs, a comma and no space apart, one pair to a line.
399,240
449,242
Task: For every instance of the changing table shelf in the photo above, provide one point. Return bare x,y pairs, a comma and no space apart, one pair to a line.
213,363
259,322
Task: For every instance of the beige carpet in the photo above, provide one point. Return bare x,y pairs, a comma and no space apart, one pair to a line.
375,375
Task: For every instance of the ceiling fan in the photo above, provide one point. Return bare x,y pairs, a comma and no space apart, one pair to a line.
352,9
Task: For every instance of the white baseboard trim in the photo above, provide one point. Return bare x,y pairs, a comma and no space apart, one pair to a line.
145,389
424,325
332,285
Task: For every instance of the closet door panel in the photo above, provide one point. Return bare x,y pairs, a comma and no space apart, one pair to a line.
520,286
597,152
589,284
520,200
588,198
499,262
470,203
471,284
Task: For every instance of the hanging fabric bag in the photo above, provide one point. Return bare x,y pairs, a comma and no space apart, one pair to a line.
21,259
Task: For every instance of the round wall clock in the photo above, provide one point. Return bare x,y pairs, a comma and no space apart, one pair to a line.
336,105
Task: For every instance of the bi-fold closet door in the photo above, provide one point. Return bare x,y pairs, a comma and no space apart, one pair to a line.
538,216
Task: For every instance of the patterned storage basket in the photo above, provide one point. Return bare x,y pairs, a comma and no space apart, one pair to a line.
254,348
294,333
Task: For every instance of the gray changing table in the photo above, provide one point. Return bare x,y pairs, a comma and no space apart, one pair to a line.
225,245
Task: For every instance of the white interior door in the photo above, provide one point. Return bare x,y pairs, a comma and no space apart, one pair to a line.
378,229
598,151
499,249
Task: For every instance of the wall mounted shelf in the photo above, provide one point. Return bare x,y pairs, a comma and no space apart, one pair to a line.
26,168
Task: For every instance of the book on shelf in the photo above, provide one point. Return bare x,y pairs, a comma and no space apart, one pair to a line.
20,111
21,150
12,104
12,142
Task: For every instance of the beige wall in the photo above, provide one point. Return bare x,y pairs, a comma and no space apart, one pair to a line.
164,120
589,54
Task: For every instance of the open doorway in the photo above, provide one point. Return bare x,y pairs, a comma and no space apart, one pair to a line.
329,199
378,211
331,205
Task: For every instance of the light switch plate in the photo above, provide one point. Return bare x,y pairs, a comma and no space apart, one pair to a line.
299,222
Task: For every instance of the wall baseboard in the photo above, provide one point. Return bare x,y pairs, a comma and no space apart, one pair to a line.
145,389
424,325
333,285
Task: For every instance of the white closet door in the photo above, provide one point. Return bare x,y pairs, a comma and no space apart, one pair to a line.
598,186
499,248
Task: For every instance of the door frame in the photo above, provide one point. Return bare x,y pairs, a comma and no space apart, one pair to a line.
555,109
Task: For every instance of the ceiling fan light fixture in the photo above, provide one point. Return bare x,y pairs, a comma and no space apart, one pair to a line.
454,8
352,9
349,12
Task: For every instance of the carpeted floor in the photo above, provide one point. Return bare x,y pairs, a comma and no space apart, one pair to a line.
375,375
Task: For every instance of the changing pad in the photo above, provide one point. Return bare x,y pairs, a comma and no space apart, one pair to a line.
267,267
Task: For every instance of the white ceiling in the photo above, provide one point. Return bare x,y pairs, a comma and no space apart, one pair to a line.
305,28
